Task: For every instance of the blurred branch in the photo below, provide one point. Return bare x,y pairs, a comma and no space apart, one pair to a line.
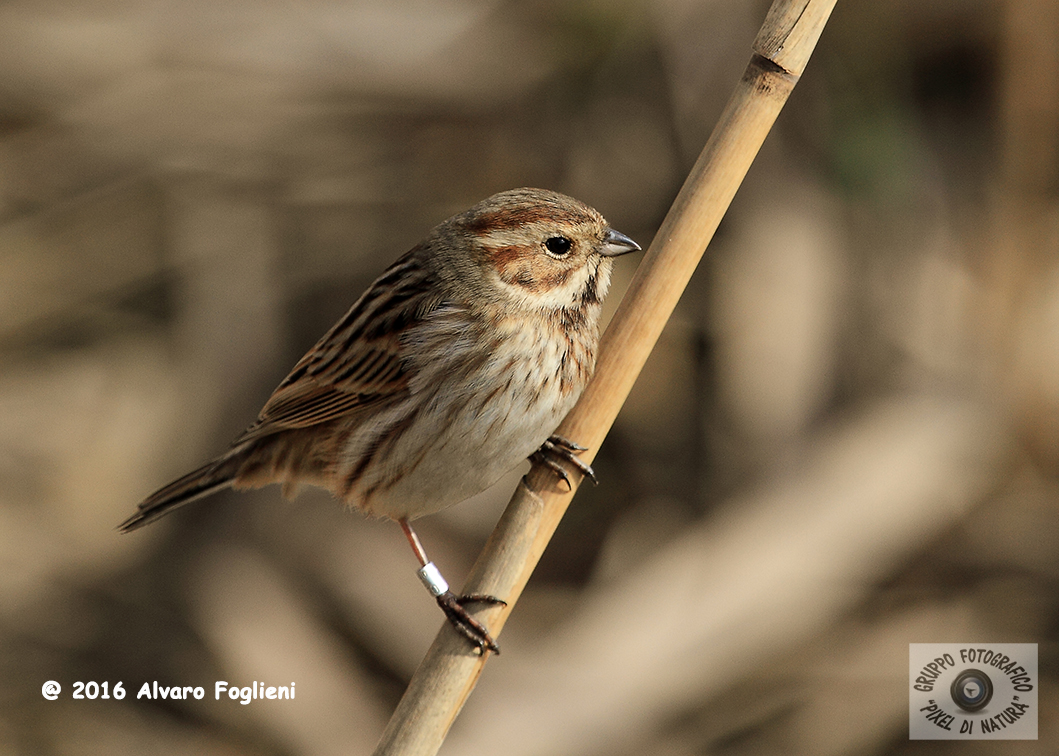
449,672
1021,273
742,592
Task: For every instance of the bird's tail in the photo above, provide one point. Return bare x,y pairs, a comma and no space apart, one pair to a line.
212,477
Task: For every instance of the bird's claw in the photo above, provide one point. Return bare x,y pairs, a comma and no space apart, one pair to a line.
556,450
465,624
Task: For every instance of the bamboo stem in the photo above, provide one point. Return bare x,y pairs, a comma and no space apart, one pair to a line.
450,670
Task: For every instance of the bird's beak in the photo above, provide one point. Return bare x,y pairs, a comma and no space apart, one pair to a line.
616,243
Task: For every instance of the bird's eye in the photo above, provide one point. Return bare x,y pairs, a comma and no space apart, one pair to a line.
558,245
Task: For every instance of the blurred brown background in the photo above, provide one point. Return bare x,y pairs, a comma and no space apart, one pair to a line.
846,441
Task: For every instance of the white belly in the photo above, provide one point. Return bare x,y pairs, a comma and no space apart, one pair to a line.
462,431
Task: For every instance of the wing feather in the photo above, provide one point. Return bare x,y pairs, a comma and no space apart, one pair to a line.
360,362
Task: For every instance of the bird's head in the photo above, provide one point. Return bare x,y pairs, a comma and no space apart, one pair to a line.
537,249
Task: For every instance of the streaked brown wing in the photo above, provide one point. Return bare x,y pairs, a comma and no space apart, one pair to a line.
359,362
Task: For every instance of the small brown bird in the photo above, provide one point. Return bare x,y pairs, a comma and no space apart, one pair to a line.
456,364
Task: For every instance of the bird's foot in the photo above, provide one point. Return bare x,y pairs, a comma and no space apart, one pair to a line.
557,450
465,624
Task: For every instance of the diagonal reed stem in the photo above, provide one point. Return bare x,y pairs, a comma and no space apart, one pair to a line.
450,670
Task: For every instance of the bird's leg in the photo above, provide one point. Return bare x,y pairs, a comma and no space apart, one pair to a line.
557,450
450,603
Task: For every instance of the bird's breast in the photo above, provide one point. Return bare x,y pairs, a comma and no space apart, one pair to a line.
483,397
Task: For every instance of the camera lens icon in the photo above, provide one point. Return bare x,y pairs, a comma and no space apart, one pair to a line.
971,690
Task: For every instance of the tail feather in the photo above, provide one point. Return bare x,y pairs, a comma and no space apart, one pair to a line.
212,477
